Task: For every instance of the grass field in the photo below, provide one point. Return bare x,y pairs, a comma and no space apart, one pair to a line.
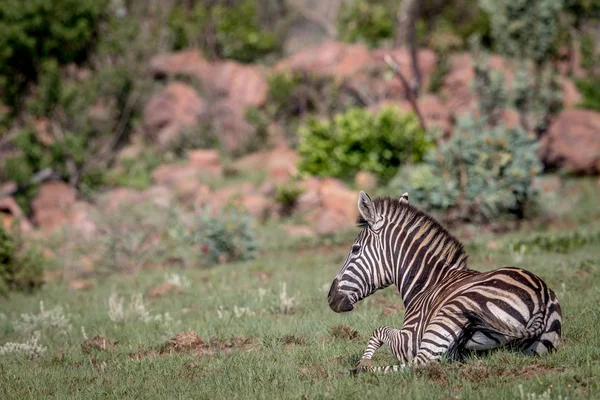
258,342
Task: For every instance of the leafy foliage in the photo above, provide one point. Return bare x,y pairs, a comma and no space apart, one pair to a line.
360,140
366,21
35,32
590,91
20,268
77,117
287,196
525,29
228,31
227,237
482,172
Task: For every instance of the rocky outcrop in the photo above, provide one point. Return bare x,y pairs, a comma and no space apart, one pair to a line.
573,142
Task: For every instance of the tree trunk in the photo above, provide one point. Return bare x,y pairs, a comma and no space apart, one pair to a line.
406,36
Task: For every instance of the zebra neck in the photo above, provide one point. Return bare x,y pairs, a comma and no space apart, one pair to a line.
426,260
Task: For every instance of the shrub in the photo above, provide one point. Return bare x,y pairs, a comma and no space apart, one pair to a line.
90,111
482,172
227,237
227,31
360,140
590,91
287,196
525,29
20,268
367,22
38,31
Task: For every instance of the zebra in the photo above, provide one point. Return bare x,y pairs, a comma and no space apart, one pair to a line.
451,310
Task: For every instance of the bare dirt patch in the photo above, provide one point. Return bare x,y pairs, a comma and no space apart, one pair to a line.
345,332
164,289
101,343
313,372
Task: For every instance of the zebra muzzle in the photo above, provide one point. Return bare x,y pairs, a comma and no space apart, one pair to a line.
338,302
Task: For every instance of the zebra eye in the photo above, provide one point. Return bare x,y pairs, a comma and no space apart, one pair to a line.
355,249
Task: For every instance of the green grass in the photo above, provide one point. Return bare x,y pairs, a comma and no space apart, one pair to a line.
296,355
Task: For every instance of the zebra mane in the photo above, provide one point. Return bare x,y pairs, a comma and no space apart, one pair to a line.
391,209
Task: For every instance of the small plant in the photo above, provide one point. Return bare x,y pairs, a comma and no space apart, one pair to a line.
21,268
222,30
118,313
227,237
287,196
54,319
32,349
590,91
366,21
442,69
360,140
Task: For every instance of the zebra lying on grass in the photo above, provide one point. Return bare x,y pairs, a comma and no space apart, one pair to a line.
450,309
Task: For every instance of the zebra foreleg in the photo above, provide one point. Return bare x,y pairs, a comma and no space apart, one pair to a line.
382,335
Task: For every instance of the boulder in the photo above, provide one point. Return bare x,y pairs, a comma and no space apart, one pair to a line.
573,142
207,161
365,180
175,107
53,205
188,62
256,205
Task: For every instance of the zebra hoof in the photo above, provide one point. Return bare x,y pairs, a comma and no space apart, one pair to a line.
364,363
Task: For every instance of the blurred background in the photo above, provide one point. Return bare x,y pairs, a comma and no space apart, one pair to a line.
181,177
138,134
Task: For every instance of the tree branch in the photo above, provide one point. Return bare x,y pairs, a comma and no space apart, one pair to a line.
394,65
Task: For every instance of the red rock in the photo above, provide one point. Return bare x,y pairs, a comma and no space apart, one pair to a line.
173,108
329,222
185,62
281,164
208,161
170,174
511,118
244,85
52,206
80,284
299,231
81,219
164,289
337,197
573,142
571,95
256,205
229,120
365,180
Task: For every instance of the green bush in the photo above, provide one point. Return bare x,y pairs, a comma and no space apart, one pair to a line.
91,109
20,268
287,196
481,173
360,140
590,91
367,22
223,30
38,31
226,237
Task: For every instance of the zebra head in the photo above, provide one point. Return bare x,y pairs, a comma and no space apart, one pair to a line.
363,272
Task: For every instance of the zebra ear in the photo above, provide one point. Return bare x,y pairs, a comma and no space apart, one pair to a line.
366,208
404,198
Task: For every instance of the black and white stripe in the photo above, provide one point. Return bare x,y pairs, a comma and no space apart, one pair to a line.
450,309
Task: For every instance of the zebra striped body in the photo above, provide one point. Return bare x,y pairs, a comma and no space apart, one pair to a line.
450,309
